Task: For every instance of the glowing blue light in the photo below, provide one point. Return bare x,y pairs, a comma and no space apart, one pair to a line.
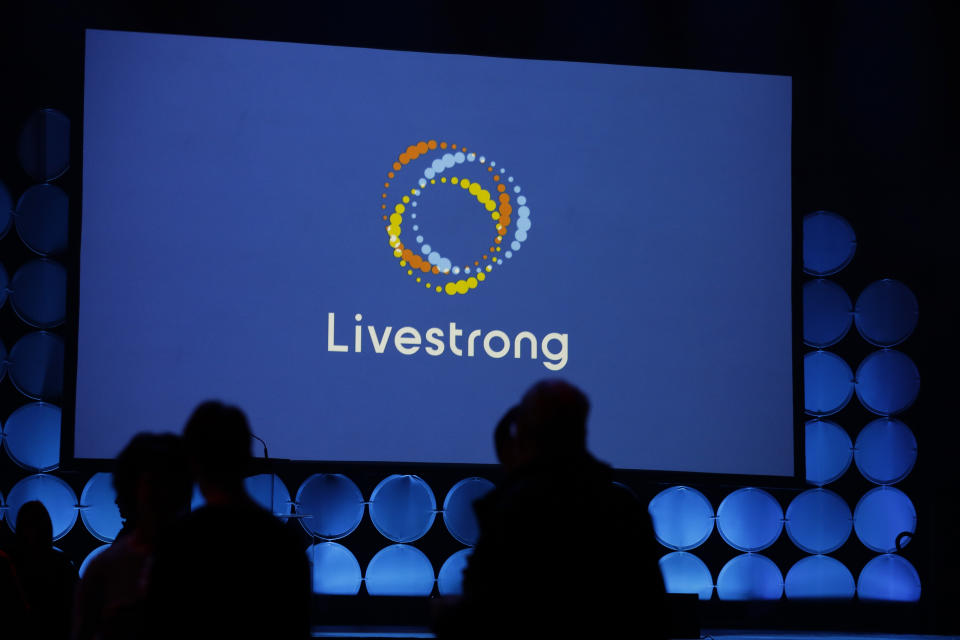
682,518
828,451
44,145
886,313
42,218
402,508
818,521
749,519
269,491
821,578
750,576
55,494
828,243
886,451
450,578
827,383
90,556
331,504
399,570
881,515
827,313
684,572
36,366
98,508
32,436
335,570
40,293
889,578
887,382
458,513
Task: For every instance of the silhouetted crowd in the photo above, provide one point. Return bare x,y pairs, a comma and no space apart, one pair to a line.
230,569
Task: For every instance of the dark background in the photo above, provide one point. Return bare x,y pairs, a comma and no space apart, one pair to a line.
874,140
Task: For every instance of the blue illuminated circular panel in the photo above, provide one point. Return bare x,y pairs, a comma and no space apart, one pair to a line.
42,214
886,313
818,521
828,451
682,518
402,508
399,570
55,494
335,570
331,504
886,451
750,576
450,578
882,514
827,383
40,293
889,578
887,382
36,366
90,556
819,578
684,572
44,145
31,436
266,487
828,243
458,515
749,519
98,509
6,209
827,313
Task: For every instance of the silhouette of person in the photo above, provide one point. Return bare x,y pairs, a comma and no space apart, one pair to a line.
562,549
45,577
152,481
229,568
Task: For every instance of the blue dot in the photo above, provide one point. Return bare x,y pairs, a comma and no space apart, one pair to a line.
466,269
516,189
522,200
456,270
520,235
437,165
416,227
444,265
425,249
523,224
889,577
447,160
471,157
887,382
422,183
459,157
434,258
515,245
523,212
683,518
510,179
429,173
509,254
419,239
413,204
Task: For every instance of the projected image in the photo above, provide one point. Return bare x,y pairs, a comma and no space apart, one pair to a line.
375,252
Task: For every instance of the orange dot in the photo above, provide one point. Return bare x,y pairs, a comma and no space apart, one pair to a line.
436,270
501,188
476,263
484,257
505,209
390,175
396,166
489,168
412,152
497,179
497,239
400,246
386,185
505,221
443,145
383,206
502,231
491,249
383,195
415,261
384,217
432,144
404,158
408,255
425,266
422,147
504,197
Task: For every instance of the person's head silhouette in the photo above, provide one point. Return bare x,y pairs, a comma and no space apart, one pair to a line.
152,481
504,441
218,444
551,422
34,528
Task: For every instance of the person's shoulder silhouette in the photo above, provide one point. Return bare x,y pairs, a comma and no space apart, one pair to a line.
229,568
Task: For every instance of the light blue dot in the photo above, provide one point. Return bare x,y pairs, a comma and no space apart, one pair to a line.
499,260
413,215
492,163
510,179
444,264
502,170
521,199
422,183
509,254
466,269
438,165
429,173
448,160
419,239
416,192
520,235
434,257
456,270
523,211
523,224
458,157
425,249
471,157
413,204
416,227
482,159
516,189
515,245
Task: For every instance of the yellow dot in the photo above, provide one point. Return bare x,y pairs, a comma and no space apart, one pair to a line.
453,180
462,286
418,279
406,199
474,189
443,179
464,184
483,196
490,205
394,243
433,182
399,208
393,230
403,263
397,253
481,277
396,218
472,282
489,268
428,285
413,192
450,288
495,215
498,248
439,289
499,226
409,271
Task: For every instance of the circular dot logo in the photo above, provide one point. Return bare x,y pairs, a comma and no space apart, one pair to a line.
493,192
